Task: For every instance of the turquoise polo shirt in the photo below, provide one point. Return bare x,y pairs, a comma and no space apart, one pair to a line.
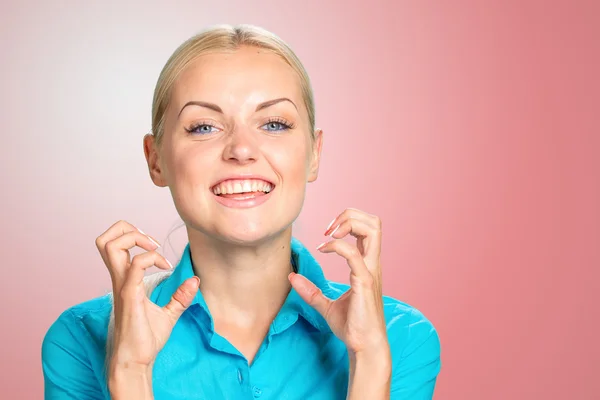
300,358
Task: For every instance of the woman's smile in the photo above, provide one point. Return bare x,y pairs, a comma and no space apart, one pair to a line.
236,192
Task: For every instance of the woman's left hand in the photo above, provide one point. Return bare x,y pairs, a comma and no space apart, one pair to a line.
357,316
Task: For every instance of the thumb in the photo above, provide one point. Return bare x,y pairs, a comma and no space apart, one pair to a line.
310,293
182,298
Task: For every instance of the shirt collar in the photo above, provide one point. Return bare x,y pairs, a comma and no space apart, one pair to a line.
294,306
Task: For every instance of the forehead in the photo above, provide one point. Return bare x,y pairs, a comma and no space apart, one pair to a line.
248,74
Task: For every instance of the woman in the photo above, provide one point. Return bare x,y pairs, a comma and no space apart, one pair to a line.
247,312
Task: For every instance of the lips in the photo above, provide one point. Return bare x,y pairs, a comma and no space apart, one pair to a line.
243,200
242,191
243,185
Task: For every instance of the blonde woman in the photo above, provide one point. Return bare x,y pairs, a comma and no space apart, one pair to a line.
247,312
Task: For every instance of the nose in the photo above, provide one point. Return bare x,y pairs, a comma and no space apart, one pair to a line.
241,146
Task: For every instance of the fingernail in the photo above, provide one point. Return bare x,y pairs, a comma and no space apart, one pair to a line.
321,245
331,223
198,279
153,241
335,230
171,265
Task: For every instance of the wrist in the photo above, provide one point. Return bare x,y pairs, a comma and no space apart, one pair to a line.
379,358
130,381
370,374
129,369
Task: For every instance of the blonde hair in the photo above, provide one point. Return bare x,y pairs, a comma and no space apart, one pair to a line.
220,37
224,37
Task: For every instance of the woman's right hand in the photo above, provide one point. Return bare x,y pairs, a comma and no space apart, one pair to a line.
141,327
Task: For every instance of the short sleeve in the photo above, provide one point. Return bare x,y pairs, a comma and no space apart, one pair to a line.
66,367
415,357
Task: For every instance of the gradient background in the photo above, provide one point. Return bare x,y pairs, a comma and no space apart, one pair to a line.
471,128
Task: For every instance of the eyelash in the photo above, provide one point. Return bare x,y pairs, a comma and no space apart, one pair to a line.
287,125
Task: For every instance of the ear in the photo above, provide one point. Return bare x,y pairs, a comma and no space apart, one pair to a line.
317,145
153,160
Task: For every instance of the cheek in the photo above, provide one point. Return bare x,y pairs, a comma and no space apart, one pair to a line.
191,168
289,161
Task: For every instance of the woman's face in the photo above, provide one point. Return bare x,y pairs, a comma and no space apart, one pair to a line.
236,161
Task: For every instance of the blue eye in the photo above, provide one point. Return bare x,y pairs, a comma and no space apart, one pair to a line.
194,129
275,125
278,123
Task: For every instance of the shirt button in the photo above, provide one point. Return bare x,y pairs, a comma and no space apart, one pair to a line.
256,391
240,378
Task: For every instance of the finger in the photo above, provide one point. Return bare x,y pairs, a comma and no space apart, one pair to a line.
134,275
353,257
117,252
116,230
182,298
354,227
310,293
369,238
368,219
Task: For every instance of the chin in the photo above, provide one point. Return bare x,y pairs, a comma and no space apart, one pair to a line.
250,233
243,227
246,238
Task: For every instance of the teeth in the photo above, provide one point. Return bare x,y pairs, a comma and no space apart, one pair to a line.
241,186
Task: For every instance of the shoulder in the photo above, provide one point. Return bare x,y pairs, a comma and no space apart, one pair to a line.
397,313
84,324
73,350
414,344
95,310
410,332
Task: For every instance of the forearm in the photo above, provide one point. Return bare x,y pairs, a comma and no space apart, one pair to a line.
130,384
370,376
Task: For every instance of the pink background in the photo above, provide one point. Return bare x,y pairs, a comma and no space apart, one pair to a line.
470,127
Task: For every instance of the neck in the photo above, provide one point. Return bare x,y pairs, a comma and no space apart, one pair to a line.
240,283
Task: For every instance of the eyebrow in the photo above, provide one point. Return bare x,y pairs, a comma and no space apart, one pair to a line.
218,109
